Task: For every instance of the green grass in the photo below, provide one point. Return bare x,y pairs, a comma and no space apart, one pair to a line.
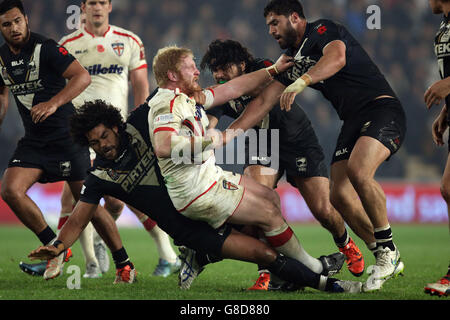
424,249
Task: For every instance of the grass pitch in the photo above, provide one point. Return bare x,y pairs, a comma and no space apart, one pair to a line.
424,249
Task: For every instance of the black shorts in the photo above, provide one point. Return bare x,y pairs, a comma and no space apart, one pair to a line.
60,161
382,119
303,158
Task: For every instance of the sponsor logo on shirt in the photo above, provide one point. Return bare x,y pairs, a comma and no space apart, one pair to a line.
27,87
98,69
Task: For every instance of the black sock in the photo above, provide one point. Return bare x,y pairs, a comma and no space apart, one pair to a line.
204,259
121,258
46,236
294,271
342,240
383,237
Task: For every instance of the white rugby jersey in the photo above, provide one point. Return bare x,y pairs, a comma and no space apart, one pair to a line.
109,59
174,111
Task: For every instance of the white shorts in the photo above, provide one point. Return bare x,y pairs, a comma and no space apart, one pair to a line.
218,202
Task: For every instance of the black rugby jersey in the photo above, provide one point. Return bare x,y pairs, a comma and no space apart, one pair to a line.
291,124
134,177
355,85
34,76
442,50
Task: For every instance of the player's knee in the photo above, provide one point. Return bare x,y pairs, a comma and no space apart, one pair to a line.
114,207
357,176
10,195
323,211
445,192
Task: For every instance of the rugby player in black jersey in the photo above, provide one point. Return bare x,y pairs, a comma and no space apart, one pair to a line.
435,94
126,168
300,154
330,60
35,70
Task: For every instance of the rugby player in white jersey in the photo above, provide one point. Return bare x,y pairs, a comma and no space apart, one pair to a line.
200,189
113,56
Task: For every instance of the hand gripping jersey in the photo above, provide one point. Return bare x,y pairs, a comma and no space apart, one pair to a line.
109,60
350,89
174,111
34,76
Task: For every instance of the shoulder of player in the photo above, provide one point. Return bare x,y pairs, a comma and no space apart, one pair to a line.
129,35
168,101
260,63
320,26
71,38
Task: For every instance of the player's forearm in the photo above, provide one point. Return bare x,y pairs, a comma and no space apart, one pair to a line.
240,86
76,85
76,223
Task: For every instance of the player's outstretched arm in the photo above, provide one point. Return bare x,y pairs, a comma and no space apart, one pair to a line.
247,83
70,232
329,64
4,102
79,79
256,110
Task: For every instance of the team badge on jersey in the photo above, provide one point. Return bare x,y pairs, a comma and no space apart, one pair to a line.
302,164
65,167
229,185
119,48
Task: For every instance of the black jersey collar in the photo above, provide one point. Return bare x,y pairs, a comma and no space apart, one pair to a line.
294,50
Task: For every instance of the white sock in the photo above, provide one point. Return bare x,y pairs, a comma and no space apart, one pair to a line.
163,244
290,246
87,244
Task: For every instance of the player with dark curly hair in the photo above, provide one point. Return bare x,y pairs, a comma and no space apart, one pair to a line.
300,154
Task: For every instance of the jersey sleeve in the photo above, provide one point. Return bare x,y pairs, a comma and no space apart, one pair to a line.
137,59
56,57
168,117
324,33
91,191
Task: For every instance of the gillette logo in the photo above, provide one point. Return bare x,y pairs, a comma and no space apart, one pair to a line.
98,69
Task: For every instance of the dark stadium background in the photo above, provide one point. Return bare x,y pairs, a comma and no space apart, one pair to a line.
402,48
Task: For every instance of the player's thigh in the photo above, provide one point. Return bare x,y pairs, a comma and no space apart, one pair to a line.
367,155
445,182
341,189
258,206
67,199
17,180
264,175
75,188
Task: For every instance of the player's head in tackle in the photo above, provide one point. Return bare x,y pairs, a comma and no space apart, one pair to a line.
226,59
286,21
175,67
437,6
98,125
14,23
